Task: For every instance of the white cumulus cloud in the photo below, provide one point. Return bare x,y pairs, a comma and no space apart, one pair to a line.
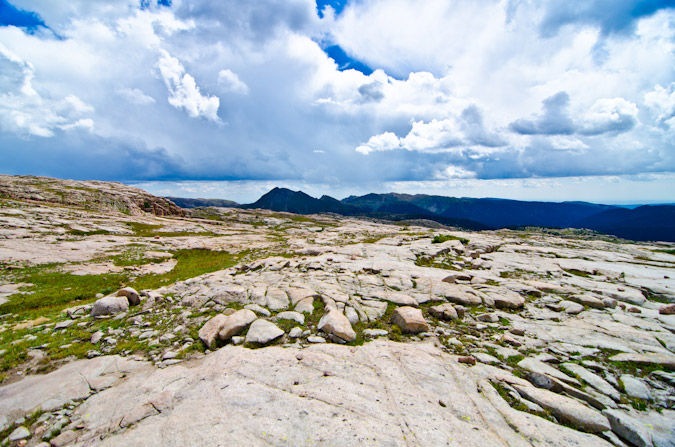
183,90
231,82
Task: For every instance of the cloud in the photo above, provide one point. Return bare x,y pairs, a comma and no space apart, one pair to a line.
231,82
371,92
384,142
553,120
609,115
183,90
606,115
135,96
613,17
25,112
661,104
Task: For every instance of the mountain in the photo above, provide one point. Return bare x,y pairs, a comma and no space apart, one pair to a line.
194,203
495,213
282,199
646,222
642,223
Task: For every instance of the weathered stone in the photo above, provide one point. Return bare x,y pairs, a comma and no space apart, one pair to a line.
96,337
276,299
19,433
305,305
566,409
258,309
667,309
469,360
488,318
506,299
131,294
571,307
635,387
209,332
316,339
410,320
263,332
536,366
110,305
334,322
64,438
628,428
444,312
375,332
593,380
351,315
456,294
588,300
64,324
296,332
236,323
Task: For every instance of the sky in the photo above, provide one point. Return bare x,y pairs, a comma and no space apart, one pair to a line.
535,100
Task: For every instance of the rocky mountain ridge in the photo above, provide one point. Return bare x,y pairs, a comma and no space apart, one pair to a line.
261,327
89,194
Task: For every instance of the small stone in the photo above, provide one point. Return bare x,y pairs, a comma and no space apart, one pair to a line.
488,318
444,312
209,332
110,305
316,339
634,310
258,309
540,380
237,340
19,433
517,331
351,315
410,320
168,355
64,324
467,360
236,323
334,322
667,309
296,332
442,403
131,295
64,438
263,332
375,333
509,339
96,337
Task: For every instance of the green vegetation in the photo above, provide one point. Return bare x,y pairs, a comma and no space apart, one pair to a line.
440,238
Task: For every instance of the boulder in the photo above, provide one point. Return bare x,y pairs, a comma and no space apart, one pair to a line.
506,299
110,305
410,320
209,332
456,294
628,429
588,300
236,323
305,305
667,309
334,322
131,294
635,387
593,380
488,318
566,409
570,307
263,332
536,366
444,312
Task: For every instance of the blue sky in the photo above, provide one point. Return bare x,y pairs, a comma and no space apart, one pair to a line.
510,98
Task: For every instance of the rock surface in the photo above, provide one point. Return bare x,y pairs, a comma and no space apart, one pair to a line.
110,305
334,322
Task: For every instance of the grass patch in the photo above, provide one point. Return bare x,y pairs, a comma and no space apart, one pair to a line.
440,238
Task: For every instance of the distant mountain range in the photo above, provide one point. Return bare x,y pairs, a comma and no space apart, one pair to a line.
648,222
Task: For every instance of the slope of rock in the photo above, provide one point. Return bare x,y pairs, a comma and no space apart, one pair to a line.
90,194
